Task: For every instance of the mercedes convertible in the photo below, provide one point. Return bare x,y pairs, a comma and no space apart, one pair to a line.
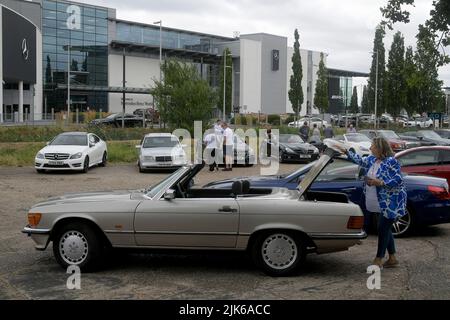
277,226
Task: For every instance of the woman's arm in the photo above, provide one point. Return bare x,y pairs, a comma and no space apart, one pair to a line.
355,158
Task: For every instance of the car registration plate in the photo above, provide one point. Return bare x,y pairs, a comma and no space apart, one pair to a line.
305,156
56,163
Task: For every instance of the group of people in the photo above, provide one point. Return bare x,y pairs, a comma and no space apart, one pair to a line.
220,142
328,132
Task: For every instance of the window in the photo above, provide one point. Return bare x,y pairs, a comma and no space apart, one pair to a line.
49,40
99,13
101,30
89,11
49,14
48,23
339,170
445,156
421,158
50,5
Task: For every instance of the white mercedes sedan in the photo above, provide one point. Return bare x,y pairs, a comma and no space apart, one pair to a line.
72,151
356,142
160,151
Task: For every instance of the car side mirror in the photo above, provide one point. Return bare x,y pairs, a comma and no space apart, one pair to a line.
91,144
169,195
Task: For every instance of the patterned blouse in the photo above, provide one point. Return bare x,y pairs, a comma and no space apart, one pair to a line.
392,196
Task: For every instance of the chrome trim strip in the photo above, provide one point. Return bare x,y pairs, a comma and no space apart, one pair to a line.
188,233
29,230
119,232
343,236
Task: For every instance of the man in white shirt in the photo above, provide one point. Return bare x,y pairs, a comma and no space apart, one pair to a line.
228,147
211,147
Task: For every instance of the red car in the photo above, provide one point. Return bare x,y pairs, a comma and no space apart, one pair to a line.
432,161
397,144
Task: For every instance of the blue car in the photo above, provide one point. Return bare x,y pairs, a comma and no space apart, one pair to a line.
428,197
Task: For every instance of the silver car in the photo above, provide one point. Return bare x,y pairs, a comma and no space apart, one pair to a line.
278,227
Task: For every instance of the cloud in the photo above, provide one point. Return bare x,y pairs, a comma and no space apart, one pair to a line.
345,29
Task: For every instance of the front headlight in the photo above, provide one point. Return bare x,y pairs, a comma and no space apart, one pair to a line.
76,155
289,150
316,150
40,156
149,158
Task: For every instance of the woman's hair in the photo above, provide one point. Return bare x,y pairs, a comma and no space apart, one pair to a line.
383,147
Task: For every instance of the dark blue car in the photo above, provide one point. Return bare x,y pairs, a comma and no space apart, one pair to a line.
428,197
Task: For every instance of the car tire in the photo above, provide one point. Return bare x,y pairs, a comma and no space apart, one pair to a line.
78,244
266,253
281,157
140,168
402,228
86,165
104,159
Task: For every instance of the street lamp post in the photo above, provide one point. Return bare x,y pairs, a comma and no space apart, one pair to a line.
68,83
225,82
160,47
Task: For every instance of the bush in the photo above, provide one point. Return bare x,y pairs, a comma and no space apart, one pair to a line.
273,119
289,119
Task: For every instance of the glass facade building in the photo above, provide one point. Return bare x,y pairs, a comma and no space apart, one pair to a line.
74,35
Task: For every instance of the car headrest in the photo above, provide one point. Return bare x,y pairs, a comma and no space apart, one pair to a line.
245,186
236,188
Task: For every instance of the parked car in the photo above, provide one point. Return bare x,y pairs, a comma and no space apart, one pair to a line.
151,114
422,122
357,142
115,120
396,143
350,120
366,119
443,133
311,122
160,151
433,161
243,153
414,142
72,151
428,198
293,148
428,136
278,227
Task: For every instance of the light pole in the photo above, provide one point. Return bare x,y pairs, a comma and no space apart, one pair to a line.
160,47
68,83
225,81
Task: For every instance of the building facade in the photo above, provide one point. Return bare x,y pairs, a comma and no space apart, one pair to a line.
84,52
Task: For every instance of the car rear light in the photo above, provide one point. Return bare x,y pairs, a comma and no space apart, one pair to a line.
439,192
34,219
355,223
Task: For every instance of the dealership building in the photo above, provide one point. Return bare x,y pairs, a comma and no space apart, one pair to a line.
62,48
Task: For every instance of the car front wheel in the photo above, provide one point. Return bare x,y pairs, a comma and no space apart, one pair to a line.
278,253
86,165
104,160
77,244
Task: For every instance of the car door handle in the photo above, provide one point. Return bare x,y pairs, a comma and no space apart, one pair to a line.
227,209
349,189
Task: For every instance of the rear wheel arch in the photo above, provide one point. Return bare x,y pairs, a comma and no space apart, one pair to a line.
302,236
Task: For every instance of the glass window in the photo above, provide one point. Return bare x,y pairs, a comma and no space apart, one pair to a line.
62,7
100,13
49,14
87,11
61,25
101,30
51,56
76,42
49,32
445,156
76,35
63,16
89,36
62,41
101,22
49,23
89,20
49,40
339,170
103,39
88,28
88,43
47,48
62,66
63,33
421,158
50,5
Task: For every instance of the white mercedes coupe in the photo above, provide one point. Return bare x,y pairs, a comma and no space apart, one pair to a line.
72,151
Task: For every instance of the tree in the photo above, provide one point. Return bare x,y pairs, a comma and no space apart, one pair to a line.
438,23
427,61
321,95
395,95
365,101
354,102
296,90
229,79
412,81
183,97
378,49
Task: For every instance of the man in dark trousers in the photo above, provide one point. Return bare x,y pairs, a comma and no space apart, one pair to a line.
304,131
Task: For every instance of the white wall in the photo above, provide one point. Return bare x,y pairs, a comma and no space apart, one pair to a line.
250,87
38,94
140,73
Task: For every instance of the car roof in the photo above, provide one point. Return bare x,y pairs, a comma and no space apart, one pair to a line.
74,133
159,134
401,153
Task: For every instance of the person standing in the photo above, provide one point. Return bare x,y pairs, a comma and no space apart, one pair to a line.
351,129
316,131
385,194
304,131
328,132
211,146
228,147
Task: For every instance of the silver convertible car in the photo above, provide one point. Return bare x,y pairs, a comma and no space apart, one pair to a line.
278,227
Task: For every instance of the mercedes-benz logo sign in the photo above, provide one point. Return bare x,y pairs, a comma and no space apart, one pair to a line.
25,51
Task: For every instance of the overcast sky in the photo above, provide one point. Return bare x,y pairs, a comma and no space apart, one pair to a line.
344,29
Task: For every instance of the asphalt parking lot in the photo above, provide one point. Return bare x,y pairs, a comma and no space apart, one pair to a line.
25,273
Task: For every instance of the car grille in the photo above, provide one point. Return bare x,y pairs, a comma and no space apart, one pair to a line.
56,166
57,156
163,159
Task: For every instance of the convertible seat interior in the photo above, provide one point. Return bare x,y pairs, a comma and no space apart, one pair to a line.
238,188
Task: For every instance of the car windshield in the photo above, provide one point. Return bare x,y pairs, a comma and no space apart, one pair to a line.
112,116
70,140
357,138
389,135
430,135
152,191
159,142
290,138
